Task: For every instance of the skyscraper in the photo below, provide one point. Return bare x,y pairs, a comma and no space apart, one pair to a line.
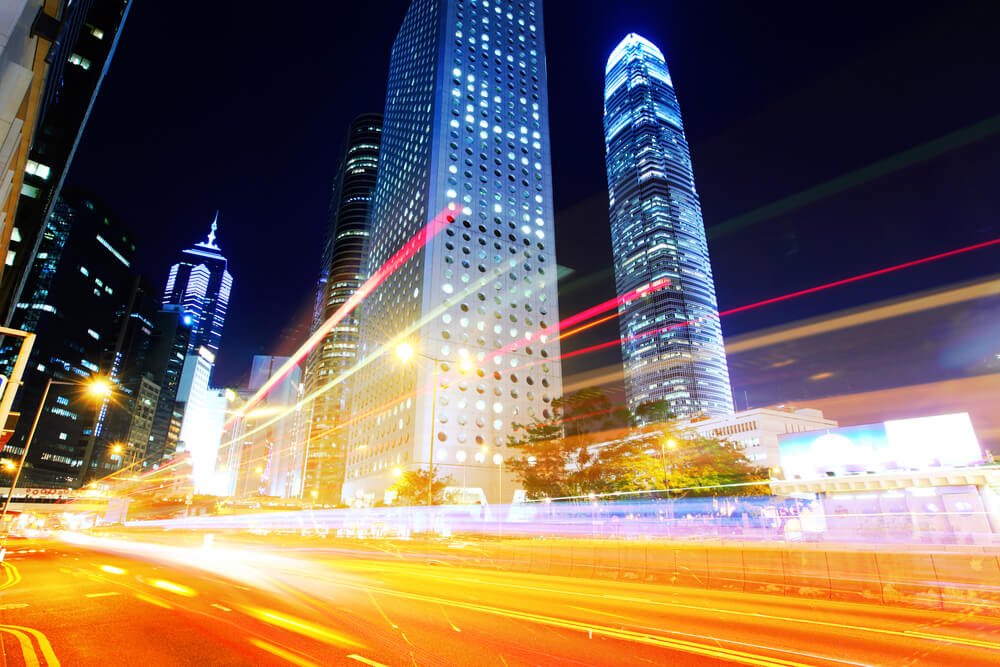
200,283
77,299
671,338
83,38
340,276
466,133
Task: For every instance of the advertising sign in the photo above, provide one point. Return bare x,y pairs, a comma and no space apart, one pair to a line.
892,446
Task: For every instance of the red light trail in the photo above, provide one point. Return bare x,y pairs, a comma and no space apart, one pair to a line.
419,240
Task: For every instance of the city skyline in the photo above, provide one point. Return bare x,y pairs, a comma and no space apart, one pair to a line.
753,119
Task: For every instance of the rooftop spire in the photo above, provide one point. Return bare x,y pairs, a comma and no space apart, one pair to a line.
210,242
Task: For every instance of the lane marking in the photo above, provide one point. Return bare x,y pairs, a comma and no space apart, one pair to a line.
43,643
27,650
293,658
14,605
366,661
679,605
222,607
13,575
101,595
153,600
945,638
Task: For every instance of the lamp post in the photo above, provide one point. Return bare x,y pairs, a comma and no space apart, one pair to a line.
669,444
461,456
98,388
405,352
498,460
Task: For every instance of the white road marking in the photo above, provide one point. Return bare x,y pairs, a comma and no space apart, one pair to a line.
100,595
219,606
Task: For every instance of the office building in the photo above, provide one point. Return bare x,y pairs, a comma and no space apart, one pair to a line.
172,332
264,450
22,74
203,410
80,286
465,135
201,283
756,431
84,37
124,421
671,338
341,275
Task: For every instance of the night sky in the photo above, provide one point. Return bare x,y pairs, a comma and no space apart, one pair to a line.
243,107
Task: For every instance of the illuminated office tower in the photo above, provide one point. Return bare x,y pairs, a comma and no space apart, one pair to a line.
340,276
657,232
465,124
201,284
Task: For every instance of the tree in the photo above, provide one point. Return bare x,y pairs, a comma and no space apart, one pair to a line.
594,447
556,454
411,488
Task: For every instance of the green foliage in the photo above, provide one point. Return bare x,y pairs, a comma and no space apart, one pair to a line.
411,488
593,447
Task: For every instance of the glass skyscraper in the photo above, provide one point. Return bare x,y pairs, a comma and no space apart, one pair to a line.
201,283
341,274
465,126
671,338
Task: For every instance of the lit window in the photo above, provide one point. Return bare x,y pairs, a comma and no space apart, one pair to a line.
84,271
10,258
62,436
97,32
94,334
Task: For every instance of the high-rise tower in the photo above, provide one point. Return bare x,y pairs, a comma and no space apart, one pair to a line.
341,274
466,124
657,232
200,283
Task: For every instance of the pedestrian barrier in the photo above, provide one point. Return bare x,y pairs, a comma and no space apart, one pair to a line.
947,580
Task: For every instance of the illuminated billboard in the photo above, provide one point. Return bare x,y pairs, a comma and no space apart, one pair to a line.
941,441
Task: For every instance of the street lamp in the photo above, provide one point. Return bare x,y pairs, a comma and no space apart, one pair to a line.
498,460
669,444
405,353
461,456
97,387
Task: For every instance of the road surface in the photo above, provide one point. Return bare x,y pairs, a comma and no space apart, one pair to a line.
123,602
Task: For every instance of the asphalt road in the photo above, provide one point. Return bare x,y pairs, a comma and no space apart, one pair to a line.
125,602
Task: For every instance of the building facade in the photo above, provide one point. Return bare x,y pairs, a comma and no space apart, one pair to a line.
341,274
671,338
79,287
171,337
84,39
465,135
757,431
201,284
264,449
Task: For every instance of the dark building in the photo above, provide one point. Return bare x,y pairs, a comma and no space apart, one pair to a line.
341,274
200,283
171,337
79,55
124,423
79,292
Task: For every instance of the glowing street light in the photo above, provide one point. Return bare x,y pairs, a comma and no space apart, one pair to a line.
259,470
397,472
116,449
404,351
99,388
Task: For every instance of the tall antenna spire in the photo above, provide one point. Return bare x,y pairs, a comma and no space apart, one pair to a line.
210,243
